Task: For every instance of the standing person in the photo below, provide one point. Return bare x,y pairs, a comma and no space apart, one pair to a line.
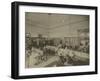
28,49
61,54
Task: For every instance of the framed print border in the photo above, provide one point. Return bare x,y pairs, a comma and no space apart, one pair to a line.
15,39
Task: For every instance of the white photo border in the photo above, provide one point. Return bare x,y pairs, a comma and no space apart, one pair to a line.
55,70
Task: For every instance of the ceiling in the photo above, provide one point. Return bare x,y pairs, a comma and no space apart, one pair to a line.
54,25
48,20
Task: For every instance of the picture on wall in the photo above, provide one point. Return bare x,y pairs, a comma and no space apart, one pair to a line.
51,40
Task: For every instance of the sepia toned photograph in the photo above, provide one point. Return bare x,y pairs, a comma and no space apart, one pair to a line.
56,40
52,40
